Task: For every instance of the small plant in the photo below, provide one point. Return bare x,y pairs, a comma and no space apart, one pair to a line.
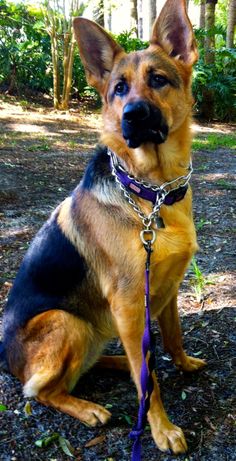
24,104
199,281
39,147
224,184
72,144
200,224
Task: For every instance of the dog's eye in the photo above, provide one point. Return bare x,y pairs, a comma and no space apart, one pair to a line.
121,88
158,81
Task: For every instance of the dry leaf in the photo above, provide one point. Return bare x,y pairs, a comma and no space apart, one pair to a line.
96,441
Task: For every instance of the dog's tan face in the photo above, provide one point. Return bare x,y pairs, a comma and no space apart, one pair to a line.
146,94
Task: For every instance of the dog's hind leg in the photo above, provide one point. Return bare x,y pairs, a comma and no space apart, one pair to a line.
113,362
172,338
58,348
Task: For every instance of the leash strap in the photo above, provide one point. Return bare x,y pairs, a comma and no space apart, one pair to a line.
159,196
148,365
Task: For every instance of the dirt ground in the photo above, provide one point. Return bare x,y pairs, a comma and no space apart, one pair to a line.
43,155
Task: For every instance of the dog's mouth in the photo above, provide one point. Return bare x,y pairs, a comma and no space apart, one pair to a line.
142,122
149,135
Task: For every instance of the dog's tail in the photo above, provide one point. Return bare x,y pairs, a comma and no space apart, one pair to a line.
3,358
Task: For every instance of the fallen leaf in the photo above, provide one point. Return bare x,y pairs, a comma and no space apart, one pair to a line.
96,441
197,353
27,409
208,421
3,407
45,441
66,447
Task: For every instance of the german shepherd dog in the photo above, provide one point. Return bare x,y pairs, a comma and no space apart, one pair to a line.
81,282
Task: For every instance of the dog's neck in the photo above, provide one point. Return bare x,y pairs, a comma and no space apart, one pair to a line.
155,163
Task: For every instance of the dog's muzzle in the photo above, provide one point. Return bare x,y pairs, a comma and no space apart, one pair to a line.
143,122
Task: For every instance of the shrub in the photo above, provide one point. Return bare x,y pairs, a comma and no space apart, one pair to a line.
219,79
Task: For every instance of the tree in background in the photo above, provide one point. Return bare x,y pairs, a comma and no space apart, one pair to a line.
202,22
152,4
27,63
214,78
210,29
231,23
58,22
134,16
140,6
99,13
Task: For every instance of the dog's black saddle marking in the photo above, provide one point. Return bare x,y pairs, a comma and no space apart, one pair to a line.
51,269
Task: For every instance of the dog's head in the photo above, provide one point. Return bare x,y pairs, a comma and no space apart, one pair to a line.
146,94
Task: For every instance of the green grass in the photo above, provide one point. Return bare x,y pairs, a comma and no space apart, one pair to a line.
213,141
224,184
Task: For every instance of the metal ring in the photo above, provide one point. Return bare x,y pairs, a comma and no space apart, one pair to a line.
151,232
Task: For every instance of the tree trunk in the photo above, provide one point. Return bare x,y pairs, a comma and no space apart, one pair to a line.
68,75
202,22
210,38
12,84
231,22
140,18
208,95
108,14
152,4
58,22
134,16
56,72
98,13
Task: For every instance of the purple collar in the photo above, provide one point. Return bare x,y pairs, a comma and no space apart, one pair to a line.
148,191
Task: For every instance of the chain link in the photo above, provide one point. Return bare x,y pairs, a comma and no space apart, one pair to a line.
147,220
148,185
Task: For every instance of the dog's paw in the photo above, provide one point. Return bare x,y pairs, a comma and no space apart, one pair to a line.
190,364
170,437
94,415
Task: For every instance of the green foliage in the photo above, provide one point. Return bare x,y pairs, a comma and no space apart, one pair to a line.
129,42
25,59
218,78
78,78
24,48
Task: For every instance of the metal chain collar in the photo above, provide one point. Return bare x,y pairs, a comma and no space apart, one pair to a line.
147,220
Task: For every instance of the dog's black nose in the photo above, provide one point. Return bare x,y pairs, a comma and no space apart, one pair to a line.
136,111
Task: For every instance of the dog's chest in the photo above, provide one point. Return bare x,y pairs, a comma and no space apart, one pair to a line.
172,252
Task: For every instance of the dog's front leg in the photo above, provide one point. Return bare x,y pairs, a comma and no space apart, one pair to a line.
172,338
129,319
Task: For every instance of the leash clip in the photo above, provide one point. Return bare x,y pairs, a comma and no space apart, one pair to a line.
148,236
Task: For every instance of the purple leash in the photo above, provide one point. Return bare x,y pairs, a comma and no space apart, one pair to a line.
167,194
147,368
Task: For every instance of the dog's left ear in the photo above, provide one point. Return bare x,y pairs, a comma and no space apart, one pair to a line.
173,32
97,51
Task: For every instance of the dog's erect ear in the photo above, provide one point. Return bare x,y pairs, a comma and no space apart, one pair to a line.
174,33
97,51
